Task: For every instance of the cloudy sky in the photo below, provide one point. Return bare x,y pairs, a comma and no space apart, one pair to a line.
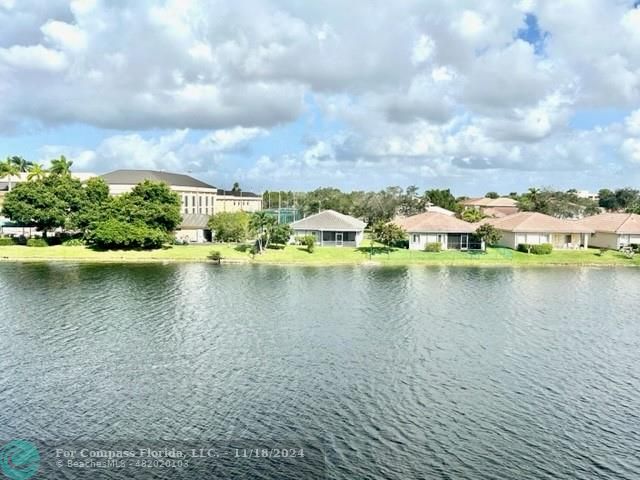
293,94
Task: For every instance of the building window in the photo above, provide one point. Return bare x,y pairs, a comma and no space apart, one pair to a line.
416,238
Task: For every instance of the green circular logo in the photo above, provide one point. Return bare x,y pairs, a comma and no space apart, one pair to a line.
19,460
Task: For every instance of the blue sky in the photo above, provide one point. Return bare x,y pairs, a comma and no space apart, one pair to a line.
475,97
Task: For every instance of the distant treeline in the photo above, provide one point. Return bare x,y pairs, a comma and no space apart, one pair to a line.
392,201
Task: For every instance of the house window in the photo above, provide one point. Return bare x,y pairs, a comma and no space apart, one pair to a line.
567,239
416,238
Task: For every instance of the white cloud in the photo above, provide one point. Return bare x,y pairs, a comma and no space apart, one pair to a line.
422,50
633,123
432,89
36,57
64,35
631,148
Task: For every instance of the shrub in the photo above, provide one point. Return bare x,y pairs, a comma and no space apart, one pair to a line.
215,256
73,242
243,247
635,247
433,247
309,241
37,242
538,249
114,234
6,241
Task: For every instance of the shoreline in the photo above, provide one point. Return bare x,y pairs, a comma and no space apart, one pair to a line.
322,257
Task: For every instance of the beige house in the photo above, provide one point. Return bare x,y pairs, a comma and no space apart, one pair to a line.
613,230
331,228
536,228
435,227
492,207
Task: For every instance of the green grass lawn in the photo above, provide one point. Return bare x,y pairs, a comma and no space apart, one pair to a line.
321,256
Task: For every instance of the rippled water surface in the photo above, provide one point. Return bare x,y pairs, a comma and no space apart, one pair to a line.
393,373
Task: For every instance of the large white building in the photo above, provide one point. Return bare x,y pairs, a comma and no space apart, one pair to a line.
199,200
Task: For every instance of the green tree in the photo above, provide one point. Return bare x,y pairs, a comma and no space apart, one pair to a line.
442,198
36,203
22,164
142,218
61,166
472,215
489,234
387,233
280,233
94,204
152,203
410,202
492,195
261,224
236,187
230,226
9,170
115,233
36,172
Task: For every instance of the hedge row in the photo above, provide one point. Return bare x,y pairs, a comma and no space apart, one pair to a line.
538,249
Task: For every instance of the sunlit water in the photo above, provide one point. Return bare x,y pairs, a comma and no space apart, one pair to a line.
459,373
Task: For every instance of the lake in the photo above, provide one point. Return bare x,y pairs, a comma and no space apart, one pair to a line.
380,373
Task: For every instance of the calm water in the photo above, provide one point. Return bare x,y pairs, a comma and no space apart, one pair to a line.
388,373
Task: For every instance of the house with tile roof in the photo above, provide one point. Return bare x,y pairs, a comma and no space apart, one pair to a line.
613,230
435,227
331,228
534,228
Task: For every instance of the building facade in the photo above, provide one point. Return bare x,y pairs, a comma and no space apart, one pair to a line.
198,200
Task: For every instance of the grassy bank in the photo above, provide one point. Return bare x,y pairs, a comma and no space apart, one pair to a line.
321,256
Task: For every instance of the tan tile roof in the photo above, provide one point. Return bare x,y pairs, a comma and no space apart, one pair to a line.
491,202
494,212
435,222
329,220
621,223
533,222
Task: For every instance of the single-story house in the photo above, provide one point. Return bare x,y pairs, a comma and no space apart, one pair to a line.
535,228
434,227
331,229
492,207
613,230
194,228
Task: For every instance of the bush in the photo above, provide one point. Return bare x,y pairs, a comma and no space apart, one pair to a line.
401,244
37,242
215,256
433,247
538,249
117,234
309,241
73,242
635,247
243,247
6,241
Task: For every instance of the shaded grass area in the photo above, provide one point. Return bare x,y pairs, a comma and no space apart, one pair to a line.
321,256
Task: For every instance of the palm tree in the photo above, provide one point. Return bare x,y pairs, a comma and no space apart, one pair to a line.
8,170
261,223
61,166
22,164
36,172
